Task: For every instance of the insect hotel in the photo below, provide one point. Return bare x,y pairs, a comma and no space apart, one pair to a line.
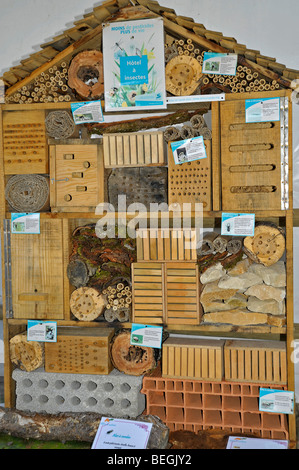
204,124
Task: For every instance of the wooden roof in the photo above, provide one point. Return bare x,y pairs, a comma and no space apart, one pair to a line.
85,32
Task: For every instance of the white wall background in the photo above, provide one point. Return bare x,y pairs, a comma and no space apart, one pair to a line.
269,26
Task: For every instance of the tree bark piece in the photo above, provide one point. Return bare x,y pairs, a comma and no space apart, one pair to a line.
134,125
65,427
27,355
87,304
132,360
86,75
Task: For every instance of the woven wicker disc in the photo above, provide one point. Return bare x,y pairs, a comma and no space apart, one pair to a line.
182,75
27,193
267,244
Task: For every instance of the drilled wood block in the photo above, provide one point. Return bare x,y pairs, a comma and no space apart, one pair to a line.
192,358
37,273
166,245
77,177
80,351
134,149
250,161
148,292
190,182
24,143
144,185
255,361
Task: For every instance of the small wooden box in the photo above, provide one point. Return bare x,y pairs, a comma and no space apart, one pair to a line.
77,177
80,351
255,361
192,358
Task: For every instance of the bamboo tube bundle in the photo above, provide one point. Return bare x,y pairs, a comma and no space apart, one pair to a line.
118,302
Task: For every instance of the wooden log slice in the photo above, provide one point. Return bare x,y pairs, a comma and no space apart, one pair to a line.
267,245
87,304
85,75
132,360
182,75
27,355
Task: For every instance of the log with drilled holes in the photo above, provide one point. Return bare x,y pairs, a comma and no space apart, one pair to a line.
87,304
27,355
85,74
267,245
132,360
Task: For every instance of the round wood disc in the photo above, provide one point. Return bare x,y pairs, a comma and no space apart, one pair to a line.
267,245
132,360
87,304
86,75
182,75
28,355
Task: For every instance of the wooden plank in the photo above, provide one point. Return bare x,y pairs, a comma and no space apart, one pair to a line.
248,189
38,267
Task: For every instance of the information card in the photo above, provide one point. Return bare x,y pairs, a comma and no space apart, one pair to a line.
241,225
219,64
45,332
90,111
276,401
255,443
122,434
262,110
25,223
146,335
188,150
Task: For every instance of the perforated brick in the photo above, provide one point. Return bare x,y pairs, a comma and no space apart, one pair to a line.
116,394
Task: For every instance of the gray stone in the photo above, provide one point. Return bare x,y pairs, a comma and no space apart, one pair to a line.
265,292
241,283
214,273
237,301
266,306
274,275
240,268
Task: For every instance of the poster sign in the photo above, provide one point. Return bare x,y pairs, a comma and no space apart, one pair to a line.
246,443
146,335
276,401
134,67
90,111
185,151
219,64
239,225
45,332
122,434
262,110
22,223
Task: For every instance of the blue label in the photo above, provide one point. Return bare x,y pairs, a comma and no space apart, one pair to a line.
133,70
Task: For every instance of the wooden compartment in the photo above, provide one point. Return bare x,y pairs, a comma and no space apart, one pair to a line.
25,148
166,245
191,182
148,292
255,361
134,149
166,293
182,294
251,169
37,270
192,358
77,177
80,351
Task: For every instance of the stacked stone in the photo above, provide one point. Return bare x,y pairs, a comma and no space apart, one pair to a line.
247,294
